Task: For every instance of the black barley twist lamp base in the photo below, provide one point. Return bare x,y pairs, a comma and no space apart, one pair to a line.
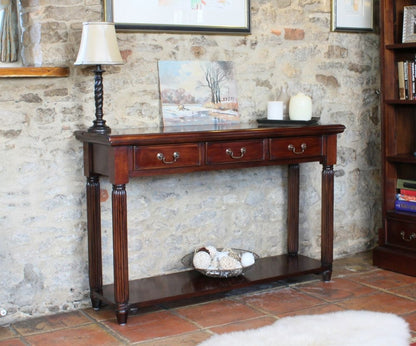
99,125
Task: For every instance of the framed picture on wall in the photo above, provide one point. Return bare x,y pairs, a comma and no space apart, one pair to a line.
352,15
209,16
198,93
409,24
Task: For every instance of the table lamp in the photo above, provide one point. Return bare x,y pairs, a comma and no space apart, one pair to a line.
99,47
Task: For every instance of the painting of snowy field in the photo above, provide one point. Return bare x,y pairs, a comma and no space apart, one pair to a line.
198,93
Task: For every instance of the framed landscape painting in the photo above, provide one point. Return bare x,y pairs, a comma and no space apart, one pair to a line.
198,93
211,16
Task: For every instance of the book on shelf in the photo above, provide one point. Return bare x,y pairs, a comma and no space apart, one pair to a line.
406,76
406,192
405,197
406,80
400,73
405,206
410,80
406,184
413,84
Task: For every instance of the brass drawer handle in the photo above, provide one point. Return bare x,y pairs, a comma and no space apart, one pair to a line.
162,158
292,148
409,238
231,154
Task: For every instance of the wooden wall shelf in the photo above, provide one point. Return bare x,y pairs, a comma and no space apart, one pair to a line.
32,72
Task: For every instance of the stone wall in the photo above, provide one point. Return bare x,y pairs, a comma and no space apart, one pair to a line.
43,246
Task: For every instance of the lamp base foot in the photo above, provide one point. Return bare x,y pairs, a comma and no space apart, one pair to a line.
102,130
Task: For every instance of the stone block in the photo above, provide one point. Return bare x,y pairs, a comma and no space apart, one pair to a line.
294,34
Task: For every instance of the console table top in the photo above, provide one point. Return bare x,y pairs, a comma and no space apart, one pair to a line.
160,134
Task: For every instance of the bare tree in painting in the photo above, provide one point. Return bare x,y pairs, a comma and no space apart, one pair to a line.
216,73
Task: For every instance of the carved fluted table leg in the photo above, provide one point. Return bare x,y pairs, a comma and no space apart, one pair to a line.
94,240
293,210
327,221
120,253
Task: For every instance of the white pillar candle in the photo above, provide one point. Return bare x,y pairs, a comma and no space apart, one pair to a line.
300,107
275,110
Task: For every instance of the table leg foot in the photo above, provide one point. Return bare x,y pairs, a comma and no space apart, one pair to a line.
122,314
96,303
326,275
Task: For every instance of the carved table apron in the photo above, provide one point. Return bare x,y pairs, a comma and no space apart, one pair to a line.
125,154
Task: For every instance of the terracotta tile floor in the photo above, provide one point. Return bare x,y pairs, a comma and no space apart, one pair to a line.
356,285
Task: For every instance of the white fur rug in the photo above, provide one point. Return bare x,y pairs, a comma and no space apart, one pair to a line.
344,328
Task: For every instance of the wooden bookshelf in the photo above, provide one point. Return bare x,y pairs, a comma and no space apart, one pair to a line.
396,250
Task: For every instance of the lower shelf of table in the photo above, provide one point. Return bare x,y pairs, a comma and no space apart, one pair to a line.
190,284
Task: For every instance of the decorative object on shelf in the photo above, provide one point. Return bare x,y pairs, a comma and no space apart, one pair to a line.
99,47
198,93
300,107
353,15
220,263
9,31
409,26
284,97
180,16
264,122
275,110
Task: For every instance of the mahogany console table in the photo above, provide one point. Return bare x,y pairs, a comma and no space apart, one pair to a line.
125,154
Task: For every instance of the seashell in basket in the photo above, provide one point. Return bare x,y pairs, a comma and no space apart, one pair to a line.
201,260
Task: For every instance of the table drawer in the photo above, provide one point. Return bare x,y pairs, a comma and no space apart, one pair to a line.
296,147
166,156
401,234
235,151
